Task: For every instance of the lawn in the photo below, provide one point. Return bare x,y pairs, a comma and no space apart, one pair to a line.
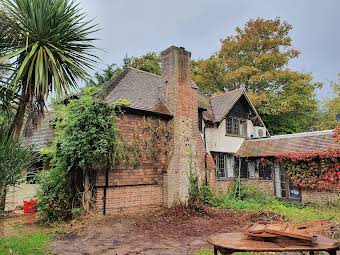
251,200
26,244
291,211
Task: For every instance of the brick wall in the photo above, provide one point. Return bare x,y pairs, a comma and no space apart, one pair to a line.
130,198
266,186
134,189
320,197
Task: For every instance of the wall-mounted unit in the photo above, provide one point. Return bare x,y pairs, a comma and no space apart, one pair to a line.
259,132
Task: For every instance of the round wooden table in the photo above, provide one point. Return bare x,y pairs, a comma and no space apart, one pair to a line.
238,242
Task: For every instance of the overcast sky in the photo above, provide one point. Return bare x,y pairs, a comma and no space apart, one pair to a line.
134,27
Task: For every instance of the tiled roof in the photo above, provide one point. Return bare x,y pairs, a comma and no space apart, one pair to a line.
294,143
42,136
141,89
204,103
222,104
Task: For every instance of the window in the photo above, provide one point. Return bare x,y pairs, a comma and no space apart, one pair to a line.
200,120
236,126
284,188
294,191
265,171
224,163
244,173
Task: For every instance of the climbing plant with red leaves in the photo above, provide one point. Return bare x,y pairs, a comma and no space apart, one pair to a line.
336,134
318,170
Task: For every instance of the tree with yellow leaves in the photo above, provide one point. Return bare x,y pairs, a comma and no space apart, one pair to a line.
257,58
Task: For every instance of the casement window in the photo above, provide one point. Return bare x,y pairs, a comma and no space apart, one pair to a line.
265,172
224,163
236,126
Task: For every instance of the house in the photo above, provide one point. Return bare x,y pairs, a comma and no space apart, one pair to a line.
217,139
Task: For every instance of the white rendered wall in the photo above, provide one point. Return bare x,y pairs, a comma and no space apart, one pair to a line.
218,141
16,195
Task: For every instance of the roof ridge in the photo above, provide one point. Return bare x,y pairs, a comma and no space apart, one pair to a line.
142,71
226,92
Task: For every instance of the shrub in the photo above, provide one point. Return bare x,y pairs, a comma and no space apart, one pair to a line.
244,192
54,197
85,142
14,158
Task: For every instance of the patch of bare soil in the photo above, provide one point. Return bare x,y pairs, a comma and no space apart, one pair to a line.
12,225
174,231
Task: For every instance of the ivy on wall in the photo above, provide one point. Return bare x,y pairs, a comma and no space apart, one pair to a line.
317,170
150,139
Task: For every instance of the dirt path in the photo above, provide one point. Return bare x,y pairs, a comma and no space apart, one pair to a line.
177,231
19,224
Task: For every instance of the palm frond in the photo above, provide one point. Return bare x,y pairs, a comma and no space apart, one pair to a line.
51,48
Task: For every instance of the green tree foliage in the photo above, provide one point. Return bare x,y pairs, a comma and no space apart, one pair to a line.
52,51
150,62
107,74
84,143
209,74
14,158
257,58
331,109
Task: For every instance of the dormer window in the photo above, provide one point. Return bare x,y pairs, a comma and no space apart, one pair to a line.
236,126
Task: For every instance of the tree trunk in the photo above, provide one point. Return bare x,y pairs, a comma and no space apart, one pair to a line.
87,191
19,118
2,199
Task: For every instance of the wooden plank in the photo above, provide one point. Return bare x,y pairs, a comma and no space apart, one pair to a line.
242,242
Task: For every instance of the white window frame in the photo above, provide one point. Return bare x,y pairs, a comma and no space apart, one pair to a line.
224,164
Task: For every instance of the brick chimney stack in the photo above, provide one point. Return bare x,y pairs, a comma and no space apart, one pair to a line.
180,97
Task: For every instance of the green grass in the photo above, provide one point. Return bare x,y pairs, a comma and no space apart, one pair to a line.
292,211
252,200
31,244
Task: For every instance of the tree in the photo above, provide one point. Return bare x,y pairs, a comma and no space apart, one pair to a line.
150,62
108,73
209,74
53,51
257,58
14,158
331,109
8,97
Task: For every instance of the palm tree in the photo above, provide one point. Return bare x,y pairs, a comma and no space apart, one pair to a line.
8,98
51,52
